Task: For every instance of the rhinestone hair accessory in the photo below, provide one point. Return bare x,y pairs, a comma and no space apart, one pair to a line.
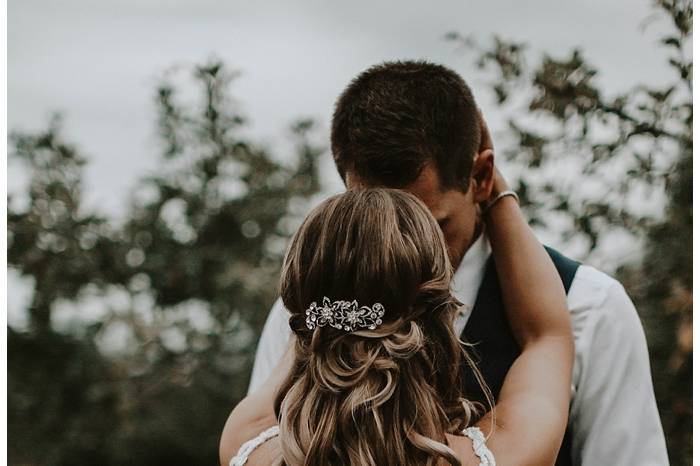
344,315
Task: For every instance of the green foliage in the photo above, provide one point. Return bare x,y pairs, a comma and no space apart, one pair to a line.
54,240
623,146
628,148
62,401
198,258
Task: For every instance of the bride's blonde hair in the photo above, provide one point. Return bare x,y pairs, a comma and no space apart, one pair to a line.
372,397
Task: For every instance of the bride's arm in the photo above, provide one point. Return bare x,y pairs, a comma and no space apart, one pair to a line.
255,412
532,409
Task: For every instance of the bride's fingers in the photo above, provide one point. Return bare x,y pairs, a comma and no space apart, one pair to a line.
486,141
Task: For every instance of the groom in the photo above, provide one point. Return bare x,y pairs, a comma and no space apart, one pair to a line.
415,126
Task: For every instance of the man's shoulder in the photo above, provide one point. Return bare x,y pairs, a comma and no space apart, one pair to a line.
588,287
592,286
606,325
277,321
598,299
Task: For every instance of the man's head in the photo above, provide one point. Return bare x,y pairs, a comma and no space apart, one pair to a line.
415,126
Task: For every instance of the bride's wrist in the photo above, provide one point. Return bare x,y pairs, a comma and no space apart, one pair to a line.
501,215
500,193
500,197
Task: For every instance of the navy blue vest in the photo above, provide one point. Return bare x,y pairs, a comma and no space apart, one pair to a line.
495,347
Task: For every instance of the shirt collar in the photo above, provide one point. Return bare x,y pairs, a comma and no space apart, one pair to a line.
469,275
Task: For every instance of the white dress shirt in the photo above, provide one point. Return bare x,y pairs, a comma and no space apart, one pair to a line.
613,413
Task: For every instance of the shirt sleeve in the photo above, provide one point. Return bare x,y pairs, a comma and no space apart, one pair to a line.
271,346
614,417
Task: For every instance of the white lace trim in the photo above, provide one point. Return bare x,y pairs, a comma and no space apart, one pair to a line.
479,445
247,448
474,433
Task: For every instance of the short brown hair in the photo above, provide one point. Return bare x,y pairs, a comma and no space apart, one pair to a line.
396,117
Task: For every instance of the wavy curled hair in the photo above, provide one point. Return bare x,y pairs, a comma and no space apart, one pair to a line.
372,397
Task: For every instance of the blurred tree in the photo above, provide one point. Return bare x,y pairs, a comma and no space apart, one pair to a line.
62,401
626,151
198,258
54,240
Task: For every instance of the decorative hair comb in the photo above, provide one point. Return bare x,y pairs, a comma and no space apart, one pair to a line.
344,315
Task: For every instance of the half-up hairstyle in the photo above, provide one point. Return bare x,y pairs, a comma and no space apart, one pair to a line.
372,397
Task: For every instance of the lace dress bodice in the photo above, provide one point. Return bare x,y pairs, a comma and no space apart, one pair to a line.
247,448
474,433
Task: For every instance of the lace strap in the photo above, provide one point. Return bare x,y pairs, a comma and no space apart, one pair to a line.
479,445
247,448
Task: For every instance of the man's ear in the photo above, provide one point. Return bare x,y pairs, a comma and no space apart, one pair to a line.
482,175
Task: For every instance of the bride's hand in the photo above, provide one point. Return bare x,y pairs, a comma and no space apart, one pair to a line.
499,185
486,144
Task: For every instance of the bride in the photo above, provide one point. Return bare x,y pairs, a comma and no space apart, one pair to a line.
372,375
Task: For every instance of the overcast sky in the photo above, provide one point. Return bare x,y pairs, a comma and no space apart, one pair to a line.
98,61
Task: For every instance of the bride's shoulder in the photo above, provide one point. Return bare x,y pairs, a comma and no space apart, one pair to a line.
245,422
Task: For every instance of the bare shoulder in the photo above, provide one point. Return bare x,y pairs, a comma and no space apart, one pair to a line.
245,422
255,414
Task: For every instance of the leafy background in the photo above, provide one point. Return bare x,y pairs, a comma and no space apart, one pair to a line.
176,287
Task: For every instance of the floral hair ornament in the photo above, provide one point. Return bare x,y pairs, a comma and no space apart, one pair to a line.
344,315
